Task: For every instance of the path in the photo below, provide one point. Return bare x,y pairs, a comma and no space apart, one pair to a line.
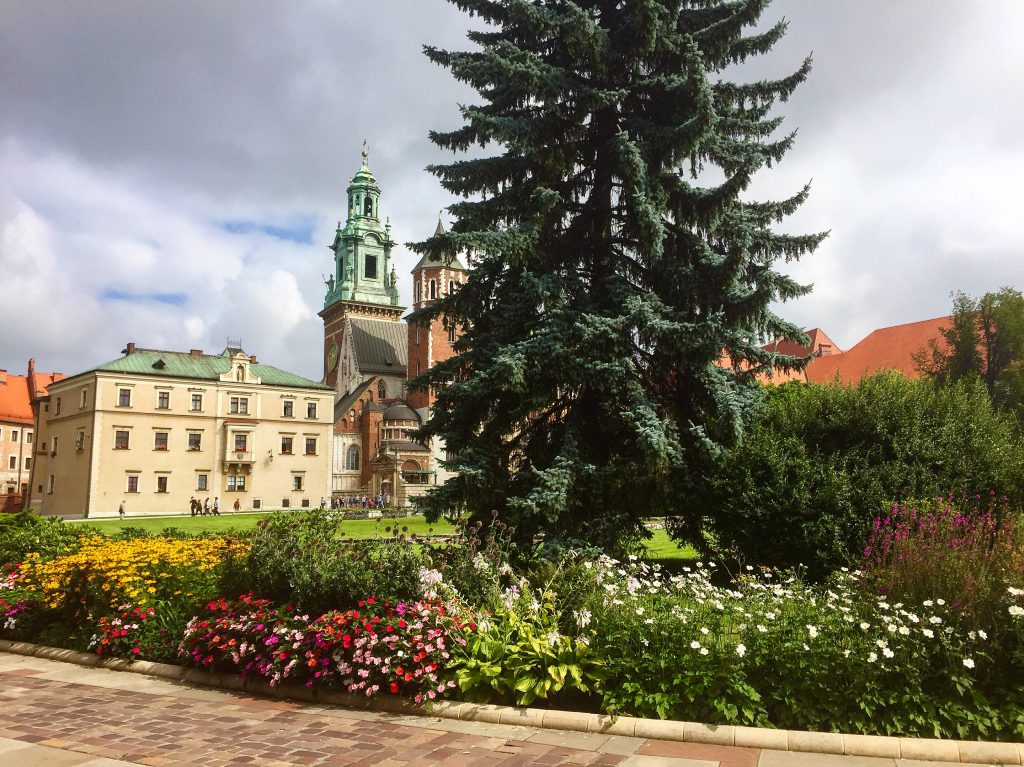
62,715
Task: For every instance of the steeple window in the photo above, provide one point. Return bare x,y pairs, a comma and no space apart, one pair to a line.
368,207
370,267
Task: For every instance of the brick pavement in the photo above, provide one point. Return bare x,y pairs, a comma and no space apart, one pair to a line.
61,715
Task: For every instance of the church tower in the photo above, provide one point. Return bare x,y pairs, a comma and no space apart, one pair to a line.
428,345
364,282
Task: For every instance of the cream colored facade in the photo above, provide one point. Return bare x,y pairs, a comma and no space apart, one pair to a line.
154,441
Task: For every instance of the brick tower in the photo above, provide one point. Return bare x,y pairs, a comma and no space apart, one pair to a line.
428,345
364,283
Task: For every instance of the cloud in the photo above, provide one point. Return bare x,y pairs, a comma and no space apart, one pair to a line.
171,173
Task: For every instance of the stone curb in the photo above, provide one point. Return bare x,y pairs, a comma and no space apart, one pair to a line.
938,750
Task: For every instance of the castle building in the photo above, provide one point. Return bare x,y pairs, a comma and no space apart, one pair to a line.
155,428
370,354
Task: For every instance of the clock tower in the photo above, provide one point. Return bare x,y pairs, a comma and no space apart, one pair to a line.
363,282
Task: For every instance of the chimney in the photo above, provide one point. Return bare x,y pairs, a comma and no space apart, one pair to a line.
129,349
31,365
195,352
252,359
3,376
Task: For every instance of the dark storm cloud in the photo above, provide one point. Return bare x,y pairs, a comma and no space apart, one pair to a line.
202,149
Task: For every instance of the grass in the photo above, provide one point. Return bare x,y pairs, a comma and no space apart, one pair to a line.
356,528
660,548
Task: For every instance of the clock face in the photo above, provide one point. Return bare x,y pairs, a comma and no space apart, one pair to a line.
332,357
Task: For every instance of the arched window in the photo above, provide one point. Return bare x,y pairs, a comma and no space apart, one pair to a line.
240,373
382,390
352,458
410,472
433,289
352,415
369,206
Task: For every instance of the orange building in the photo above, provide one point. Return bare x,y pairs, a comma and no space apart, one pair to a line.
17,431
891,348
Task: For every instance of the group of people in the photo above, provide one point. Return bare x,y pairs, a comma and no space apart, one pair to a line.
381,501
205,508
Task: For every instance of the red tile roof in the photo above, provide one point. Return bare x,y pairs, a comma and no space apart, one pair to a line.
15,406
889,348
820,344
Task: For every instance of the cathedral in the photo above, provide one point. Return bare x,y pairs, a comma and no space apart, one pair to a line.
370,354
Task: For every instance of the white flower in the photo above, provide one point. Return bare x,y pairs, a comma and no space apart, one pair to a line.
904,630
982,634
812,630
887,652
770,616
872,658
865,626
935,619
1016,611
553,638
583,618
704,630
928,633
703,650
694,645
741,650
969,662
940,602
1015,592
846,653
927,603
640,610
764,629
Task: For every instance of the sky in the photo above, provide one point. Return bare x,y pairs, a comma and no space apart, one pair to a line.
171,173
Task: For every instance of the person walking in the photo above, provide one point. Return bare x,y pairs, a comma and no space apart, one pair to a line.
120,510
192,505
206,506
238,505
216,506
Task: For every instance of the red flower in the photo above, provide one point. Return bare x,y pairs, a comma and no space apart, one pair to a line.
394,688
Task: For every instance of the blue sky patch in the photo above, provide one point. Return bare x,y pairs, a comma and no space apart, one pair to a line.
116,294
298,229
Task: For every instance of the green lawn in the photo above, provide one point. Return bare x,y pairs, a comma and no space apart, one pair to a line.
660,548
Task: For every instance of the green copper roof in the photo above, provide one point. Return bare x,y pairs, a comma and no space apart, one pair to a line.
206,367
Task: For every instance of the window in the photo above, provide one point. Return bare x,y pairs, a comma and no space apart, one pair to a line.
240,373
83,398
451,287
370,267
236,483
56,407
160,440
352,458
310,445
382,390
288,409
49,484
451,334
28,437
285,503
240,442
120,440
310,410
28,462
124,397
80,440
257,503
163,400
195,441
296,482
161,483
13,463
201,481
197,403
433,289
55,441
133,483
286,445
239,405
14,435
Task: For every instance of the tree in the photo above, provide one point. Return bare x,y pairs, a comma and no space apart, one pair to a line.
620,284
985,339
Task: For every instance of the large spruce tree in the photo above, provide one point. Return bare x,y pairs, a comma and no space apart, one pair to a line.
619,284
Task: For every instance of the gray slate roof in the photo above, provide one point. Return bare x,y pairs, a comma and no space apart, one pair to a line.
380,346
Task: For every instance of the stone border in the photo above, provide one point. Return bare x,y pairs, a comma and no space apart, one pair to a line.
939,750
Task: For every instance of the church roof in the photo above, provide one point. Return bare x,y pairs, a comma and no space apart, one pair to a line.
208,367
433,262
400,411
341,406
380,346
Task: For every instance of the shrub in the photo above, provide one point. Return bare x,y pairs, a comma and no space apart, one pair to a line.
303,558
822,461
48,537
967,551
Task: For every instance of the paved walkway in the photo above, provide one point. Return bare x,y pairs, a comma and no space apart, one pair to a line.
62,715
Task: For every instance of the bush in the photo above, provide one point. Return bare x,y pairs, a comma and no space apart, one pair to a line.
303,558
822,461
48,537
